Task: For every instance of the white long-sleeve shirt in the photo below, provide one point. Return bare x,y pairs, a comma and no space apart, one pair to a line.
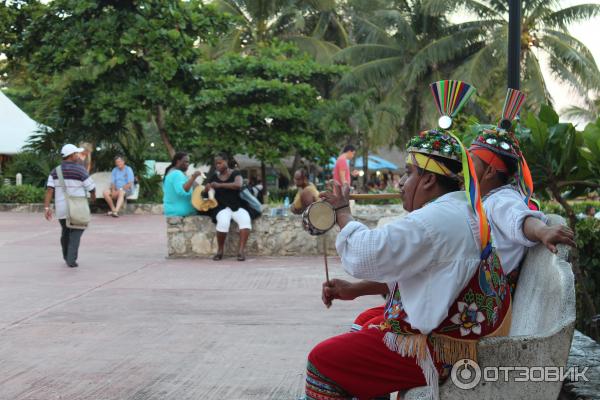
506,212
431,253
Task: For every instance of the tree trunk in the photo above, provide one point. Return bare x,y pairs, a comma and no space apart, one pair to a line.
263,177
160,124
366,164
295,165
580,278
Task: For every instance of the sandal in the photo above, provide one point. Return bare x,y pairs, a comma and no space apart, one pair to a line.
241,257
115,214
218,257
109,214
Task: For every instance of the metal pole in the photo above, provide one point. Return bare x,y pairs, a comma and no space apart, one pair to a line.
514,43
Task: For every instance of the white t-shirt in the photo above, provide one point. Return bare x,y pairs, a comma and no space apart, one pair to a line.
77,182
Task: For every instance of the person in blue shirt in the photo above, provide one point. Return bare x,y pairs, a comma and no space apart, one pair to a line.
177,187
121,186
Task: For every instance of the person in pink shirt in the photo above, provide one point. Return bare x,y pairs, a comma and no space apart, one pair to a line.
341,171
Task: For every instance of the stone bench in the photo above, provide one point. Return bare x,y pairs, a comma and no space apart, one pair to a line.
102,181
195,236
543,321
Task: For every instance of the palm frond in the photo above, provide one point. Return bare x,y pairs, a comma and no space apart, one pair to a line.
565,75
534,10
441,51
444,7
386,118
375,73
363,53
534,84
398,21
321,50
586,114
322,5
583,68
369,32
571,41
566,16
501,6
476,68
228,6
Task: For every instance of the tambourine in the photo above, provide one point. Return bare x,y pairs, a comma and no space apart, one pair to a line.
318,218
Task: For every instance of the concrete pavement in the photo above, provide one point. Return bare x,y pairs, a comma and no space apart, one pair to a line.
130,324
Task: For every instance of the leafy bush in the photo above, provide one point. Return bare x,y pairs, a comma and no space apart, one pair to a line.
21,194
34,166
550,207
151,189
278,195
588,237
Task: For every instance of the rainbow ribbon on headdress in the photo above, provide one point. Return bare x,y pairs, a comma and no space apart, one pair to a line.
451,96
474,198
525,180
512,105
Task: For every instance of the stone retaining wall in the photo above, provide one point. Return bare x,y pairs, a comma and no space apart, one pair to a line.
271,236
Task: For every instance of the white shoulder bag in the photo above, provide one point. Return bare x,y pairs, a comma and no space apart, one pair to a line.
78,208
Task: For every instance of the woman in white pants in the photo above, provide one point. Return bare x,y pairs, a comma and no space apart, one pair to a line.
227,184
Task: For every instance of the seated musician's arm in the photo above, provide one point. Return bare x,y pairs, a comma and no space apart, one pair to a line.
393,252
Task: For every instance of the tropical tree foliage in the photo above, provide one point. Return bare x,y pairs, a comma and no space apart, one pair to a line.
401,49
262,105
564,163
545,42
98,68
588,112
313,25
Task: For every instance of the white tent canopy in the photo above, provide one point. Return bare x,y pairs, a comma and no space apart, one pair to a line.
15,126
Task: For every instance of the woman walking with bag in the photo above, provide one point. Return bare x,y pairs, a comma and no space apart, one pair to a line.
67,182
227,184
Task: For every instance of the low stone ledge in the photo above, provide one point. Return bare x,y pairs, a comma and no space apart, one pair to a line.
195,236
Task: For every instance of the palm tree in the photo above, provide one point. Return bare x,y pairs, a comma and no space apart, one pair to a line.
313,25
402,49
587,113
546,44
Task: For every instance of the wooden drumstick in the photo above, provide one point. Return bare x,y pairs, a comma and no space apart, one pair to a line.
325,258
374,196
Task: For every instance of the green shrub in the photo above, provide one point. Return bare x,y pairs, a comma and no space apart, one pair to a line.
551,207
587,238
151,189
21,194
35,167
278,195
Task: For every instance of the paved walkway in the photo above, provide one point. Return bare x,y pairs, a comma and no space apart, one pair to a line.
130,324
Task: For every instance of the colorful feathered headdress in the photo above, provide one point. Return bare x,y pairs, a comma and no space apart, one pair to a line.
502,141
450,97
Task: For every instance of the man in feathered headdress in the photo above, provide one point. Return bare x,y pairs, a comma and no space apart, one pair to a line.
506,188
447,287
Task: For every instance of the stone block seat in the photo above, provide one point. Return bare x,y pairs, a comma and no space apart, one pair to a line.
543,321
195,236
102,181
